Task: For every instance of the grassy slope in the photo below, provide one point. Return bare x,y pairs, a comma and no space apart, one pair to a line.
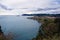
49,29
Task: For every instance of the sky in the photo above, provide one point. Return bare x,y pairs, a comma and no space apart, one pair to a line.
17,7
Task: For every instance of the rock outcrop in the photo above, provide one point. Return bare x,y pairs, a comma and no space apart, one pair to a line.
2,37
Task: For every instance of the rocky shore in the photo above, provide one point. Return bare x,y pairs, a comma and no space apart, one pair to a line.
5,37
49,29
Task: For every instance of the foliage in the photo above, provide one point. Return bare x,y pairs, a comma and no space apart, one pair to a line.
49,30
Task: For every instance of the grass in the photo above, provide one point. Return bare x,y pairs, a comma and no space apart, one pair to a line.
50,28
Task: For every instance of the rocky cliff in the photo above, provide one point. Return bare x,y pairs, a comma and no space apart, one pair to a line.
49,29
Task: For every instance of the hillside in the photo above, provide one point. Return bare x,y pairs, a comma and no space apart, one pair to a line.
49,29
40,15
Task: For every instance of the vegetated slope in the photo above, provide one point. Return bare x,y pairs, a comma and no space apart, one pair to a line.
49,30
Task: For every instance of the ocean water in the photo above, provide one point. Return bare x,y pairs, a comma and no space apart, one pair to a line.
20,26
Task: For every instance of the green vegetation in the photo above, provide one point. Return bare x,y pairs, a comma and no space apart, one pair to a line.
6,37
49,30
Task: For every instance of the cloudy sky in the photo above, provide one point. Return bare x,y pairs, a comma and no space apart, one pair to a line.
16,7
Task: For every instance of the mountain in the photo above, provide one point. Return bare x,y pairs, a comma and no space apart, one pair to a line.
52,15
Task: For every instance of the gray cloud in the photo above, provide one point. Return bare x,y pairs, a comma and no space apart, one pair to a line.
4,7
31,6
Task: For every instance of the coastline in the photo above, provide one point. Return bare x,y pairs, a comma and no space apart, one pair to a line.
49,29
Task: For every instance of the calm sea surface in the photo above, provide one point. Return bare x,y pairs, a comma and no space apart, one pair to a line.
23,28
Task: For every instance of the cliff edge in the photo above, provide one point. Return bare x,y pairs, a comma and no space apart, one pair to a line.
49,29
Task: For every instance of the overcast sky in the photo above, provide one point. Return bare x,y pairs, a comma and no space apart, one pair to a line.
32,4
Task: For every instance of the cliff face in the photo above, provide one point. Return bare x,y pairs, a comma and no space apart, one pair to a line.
49,30
2,37
5,37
